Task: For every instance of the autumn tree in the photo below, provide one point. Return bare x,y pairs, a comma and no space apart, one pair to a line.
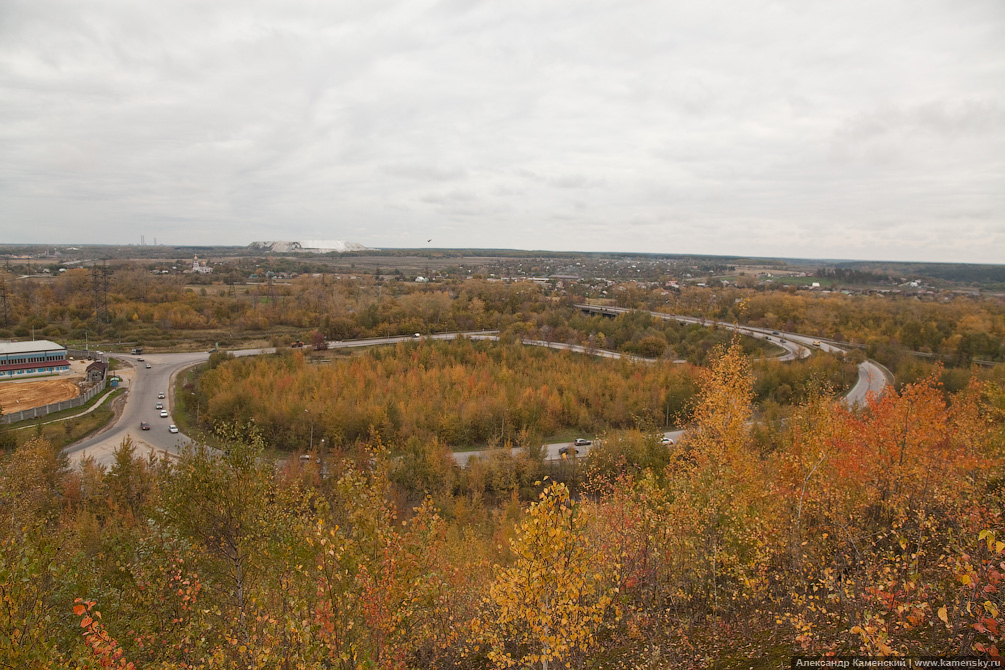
549,604
719,493
30,541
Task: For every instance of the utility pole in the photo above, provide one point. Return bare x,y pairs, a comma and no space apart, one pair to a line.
3,300
96,287
99,281
104,273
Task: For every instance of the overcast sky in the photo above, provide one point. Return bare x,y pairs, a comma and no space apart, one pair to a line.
839,129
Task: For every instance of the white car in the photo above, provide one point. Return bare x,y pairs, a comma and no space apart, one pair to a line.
164,414
172,428
160,395
667,441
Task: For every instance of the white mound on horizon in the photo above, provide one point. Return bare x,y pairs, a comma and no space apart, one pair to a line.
314,246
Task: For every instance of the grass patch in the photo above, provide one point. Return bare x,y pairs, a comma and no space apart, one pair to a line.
184,406
62,433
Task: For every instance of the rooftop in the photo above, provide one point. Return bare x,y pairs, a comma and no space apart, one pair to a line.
7,348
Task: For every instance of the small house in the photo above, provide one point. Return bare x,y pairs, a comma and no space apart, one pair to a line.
96,371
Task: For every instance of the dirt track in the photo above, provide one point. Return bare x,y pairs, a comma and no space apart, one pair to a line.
25,395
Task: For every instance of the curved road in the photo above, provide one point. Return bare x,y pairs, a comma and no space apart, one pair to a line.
141,399
871,377
142,393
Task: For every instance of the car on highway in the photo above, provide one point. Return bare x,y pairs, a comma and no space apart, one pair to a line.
160,395
148,366
164,414
782,340
567,450
159,405
172,428
816,343
144,425
775,332
581,442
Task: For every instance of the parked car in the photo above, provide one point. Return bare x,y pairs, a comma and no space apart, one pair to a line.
567,450
164,414
144,425
172,428
159,405
581,442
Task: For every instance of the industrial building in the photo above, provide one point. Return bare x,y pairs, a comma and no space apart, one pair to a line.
26,359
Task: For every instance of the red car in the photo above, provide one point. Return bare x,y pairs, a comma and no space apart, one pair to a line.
144,425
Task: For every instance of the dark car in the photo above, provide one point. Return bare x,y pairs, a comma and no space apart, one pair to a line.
144,425
567,451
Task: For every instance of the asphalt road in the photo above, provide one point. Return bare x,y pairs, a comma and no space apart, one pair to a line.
551,450
871,378
794,347
141,398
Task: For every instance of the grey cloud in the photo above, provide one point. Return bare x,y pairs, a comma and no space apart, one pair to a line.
968,117
716,127
449,198
424,172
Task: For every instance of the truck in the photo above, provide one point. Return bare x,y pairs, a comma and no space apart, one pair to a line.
137,351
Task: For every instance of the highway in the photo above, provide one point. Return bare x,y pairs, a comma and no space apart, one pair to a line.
871,377
145,385
551,451
141,397
142,390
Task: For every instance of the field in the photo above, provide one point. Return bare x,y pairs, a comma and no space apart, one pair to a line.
16,396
